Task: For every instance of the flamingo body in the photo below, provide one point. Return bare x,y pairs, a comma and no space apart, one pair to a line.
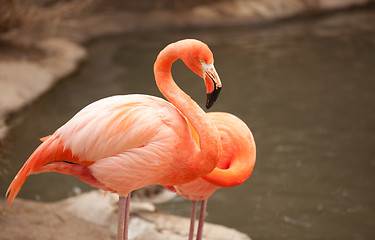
141,137
236,163
234,167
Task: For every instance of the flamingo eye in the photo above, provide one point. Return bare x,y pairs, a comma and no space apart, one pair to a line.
201,60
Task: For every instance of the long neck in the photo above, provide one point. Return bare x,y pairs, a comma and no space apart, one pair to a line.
209,139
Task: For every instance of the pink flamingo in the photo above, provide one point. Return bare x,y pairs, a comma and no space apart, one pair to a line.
123,143
234,167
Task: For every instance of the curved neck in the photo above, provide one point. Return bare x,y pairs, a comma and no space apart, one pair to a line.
239,152
240,169
209,139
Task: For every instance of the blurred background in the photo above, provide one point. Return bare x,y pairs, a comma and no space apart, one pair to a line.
299,73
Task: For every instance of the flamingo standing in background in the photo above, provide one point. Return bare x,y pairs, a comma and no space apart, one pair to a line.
234,167
123,143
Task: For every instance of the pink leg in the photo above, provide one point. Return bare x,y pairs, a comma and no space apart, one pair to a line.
192,219
201,219
123,217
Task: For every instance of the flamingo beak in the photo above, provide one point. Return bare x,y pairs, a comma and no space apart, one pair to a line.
213,85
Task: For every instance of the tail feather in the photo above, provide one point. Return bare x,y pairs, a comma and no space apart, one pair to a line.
15,187
50,150
32,163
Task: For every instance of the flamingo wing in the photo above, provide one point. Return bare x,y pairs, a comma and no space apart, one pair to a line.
112,125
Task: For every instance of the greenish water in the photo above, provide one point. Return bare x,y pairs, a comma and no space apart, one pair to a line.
305,88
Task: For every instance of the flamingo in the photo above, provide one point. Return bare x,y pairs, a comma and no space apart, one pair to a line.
123,143
235,166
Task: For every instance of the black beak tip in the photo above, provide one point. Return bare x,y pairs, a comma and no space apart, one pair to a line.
211,97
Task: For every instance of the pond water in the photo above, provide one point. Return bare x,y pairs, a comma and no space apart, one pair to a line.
304,87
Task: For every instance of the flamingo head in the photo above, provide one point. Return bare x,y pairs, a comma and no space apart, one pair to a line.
198,57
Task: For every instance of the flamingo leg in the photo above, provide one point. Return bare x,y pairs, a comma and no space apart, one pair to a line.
201,219
192,219
123,217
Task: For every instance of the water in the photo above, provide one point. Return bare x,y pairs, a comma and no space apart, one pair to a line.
304,87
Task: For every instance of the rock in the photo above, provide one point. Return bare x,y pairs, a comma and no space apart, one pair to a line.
169,227
93,216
